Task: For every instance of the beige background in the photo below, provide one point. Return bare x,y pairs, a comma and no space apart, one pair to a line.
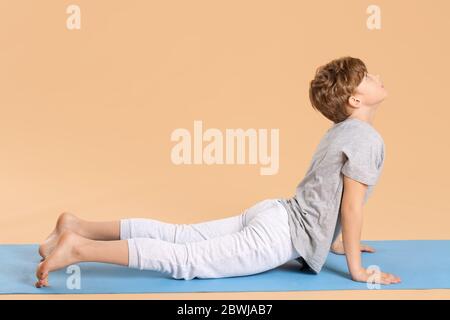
86,115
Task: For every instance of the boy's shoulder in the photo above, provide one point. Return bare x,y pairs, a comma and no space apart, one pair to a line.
355,131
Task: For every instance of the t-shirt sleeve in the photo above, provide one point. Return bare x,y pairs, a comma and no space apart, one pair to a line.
363,160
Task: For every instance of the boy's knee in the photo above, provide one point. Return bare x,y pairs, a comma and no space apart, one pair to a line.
184,268
183,277
184,273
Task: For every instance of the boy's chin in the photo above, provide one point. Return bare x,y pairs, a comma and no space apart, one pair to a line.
383,96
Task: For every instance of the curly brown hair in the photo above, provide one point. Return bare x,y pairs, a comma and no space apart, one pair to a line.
333,85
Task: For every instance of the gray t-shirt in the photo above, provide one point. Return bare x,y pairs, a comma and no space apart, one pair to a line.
351,147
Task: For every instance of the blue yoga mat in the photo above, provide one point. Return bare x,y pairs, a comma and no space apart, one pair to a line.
421,264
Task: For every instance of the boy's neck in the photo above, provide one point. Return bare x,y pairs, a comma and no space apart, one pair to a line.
366,118
366,114
362,119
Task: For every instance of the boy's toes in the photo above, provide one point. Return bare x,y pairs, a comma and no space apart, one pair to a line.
45,282
42,275
42,283
39,284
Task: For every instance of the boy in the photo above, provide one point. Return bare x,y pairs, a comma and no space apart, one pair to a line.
345,167
343,171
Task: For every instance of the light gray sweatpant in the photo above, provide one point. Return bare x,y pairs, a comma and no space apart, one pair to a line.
254,241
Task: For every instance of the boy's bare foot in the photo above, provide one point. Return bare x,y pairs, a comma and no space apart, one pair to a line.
66,252
66,221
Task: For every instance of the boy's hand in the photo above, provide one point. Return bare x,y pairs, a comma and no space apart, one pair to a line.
364,275
338,248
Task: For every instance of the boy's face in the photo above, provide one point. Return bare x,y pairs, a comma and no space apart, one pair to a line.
371,90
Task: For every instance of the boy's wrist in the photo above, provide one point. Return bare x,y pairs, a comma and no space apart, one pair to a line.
357,271
354,262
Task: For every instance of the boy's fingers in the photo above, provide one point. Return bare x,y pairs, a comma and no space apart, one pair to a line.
386,277
397,279
367,248
391,276
386,281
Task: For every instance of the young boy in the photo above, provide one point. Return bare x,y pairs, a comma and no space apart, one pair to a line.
344,169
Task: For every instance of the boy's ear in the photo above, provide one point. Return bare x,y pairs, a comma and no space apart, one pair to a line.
354,102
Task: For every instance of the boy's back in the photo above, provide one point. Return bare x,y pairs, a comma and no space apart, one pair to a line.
351,147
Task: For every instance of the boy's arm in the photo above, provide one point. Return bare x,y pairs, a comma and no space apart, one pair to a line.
351,219
337,247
